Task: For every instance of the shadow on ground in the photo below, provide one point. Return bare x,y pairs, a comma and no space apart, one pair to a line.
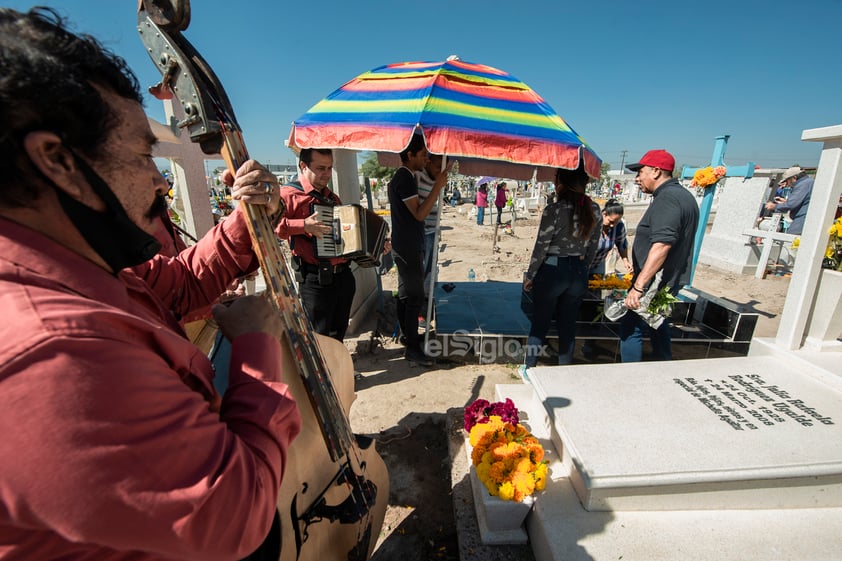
419,523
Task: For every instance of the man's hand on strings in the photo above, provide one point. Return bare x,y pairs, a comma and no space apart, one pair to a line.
255,185
248,314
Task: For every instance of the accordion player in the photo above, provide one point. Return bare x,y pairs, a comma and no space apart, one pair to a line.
356,233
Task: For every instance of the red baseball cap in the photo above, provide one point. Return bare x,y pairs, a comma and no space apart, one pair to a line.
660,159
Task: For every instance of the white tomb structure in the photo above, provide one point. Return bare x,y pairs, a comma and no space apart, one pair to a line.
727,247
715,459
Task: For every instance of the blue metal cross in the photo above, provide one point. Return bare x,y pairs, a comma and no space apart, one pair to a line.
717,159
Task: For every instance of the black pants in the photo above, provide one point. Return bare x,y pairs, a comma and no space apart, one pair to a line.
329,307
410,295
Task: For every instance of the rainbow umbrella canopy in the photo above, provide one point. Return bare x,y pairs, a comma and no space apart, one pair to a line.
486,119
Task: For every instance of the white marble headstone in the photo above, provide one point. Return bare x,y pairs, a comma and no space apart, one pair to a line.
725,247
741,433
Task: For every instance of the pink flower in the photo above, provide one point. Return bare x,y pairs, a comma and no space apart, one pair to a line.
480,410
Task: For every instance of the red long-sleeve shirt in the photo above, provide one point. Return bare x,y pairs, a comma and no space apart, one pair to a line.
115,445
299,205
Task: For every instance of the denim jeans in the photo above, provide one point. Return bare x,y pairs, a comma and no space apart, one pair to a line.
480,214
632,331
558,289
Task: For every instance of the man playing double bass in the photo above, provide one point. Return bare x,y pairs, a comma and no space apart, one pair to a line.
115,444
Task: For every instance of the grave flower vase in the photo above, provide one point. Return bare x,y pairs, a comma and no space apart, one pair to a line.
500,522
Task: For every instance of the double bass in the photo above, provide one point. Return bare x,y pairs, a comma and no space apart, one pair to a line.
335,487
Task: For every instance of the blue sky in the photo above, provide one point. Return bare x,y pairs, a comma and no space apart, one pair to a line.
625,75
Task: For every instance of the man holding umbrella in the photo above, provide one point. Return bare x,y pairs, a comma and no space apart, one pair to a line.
408,214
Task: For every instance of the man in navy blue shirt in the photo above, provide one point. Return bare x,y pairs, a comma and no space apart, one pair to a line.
408,214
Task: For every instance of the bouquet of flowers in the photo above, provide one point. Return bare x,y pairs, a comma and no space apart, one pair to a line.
833,253
508,459
610,282
655,305
705,177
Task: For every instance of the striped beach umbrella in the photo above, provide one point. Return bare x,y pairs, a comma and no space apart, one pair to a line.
486,119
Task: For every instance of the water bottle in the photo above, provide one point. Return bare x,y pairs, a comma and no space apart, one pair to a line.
472,276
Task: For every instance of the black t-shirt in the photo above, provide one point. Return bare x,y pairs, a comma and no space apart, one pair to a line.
407,232
672,218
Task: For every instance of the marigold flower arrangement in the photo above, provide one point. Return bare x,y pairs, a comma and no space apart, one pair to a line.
833,253
610,282
705,177
508,459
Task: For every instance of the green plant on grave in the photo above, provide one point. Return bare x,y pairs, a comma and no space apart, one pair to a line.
662,302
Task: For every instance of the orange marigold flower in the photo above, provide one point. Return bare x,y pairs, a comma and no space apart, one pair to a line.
523,485
510,450
498,472
536,452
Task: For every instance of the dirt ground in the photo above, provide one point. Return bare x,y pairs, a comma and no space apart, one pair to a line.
405,408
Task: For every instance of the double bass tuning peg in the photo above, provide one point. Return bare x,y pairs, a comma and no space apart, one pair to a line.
173,15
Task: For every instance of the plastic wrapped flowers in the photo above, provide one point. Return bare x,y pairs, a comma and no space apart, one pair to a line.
509,460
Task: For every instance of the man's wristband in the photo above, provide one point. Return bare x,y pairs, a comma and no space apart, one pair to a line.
633,287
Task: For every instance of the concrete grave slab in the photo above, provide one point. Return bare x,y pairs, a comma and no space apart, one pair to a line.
737,433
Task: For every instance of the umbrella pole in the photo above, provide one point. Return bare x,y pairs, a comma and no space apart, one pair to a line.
434,269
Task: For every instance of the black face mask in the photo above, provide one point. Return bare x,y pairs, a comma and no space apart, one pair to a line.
111,234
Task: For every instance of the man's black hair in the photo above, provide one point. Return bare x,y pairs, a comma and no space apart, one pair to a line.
47,74
416,144
306,154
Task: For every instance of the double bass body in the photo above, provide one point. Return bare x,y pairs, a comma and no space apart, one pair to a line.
315,489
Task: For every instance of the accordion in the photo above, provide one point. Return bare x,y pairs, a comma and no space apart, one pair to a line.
357,234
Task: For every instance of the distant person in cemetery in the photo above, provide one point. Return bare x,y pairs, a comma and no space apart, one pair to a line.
408,214
558,270
482,203
327,285
455,197
500,199
797,202
663,241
